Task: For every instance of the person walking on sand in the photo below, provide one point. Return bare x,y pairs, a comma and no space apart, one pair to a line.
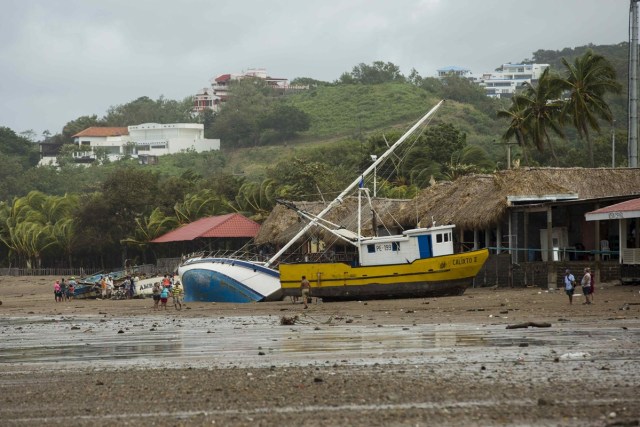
176,291
569,284
57,291
72,287
103,287
164,296
156,295
305,290
586,285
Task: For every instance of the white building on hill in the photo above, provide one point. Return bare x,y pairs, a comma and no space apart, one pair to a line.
505,83
145,142
502,83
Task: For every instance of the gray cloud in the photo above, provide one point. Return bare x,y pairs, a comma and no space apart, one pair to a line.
62,60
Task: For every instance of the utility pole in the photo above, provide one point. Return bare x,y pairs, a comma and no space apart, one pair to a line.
633,85
613,144
508,145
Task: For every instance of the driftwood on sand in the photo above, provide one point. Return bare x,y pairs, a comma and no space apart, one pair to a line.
527,324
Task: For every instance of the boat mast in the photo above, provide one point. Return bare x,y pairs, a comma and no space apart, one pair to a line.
354,184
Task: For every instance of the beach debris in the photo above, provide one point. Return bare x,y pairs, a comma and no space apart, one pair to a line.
579,355
529,324
288,320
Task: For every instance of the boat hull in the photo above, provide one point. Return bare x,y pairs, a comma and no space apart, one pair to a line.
430,277
228,280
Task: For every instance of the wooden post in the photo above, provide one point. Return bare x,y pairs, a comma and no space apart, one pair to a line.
526,235
551,269
476,244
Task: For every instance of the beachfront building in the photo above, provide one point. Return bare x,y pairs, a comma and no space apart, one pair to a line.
144,142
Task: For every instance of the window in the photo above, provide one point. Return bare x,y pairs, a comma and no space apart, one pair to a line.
395,246
447,237
371,249
438,238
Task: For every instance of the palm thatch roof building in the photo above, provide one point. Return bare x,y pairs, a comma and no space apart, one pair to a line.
520,205
536,214
284,223
482,201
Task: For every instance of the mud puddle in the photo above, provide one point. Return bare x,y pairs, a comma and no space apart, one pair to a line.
260,341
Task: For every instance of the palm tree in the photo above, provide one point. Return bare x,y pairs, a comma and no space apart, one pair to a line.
517,128
256,199
542,108
587,81
148,229
203,203
533,112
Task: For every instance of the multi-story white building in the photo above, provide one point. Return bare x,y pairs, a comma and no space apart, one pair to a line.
502,83
454,71
505,82
144,142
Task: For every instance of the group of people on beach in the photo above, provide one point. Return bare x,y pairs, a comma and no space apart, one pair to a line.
163,290
587,283
63,290
126,290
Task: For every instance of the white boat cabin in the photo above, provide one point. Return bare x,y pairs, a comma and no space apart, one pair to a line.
407,247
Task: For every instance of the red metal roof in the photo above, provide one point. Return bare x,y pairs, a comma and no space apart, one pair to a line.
629,205
230,225
223,78
103,131
628,209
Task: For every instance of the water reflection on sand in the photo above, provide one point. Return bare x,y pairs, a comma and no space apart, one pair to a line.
260,341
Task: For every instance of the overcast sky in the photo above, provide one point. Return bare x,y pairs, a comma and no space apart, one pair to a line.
63,59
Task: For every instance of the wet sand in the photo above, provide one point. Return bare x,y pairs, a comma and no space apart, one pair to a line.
437,361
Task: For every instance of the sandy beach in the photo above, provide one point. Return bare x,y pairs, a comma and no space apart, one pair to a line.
438,361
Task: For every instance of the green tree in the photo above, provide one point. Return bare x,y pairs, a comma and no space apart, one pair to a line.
237,122
542,107
32,223
19,147
202,204
148,228
146,110
307,81
256,200
301,179
78,125
517,128
286,120
588,80
377,73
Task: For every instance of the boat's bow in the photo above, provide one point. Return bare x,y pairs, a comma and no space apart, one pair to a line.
228,280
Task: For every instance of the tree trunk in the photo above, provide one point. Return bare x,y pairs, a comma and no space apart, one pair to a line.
590,146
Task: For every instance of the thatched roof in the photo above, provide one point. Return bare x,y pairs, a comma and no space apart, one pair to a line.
470,202
282,224
480,201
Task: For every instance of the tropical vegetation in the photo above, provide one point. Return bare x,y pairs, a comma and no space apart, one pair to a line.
302,146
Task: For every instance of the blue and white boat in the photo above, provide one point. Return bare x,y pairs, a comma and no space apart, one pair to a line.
212,279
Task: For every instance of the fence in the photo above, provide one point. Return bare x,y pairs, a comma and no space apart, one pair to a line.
148,269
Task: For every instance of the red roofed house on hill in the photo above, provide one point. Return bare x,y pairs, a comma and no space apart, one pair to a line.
218,93
145,142
228,232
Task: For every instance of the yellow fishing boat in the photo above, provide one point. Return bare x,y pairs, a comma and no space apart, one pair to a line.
417,263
